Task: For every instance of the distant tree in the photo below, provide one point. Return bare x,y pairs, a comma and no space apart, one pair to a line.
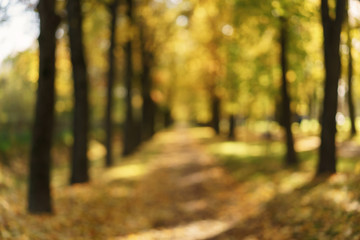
39,195
79,171
232,126
112,8
149,106
350,98
215,111
331,32
286,114
129,138
215,100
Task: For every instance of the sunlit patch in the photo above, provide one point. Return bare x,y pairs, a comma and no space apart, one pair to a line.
291,76
227,30
182,20
243,149
200,177
338,178
131,171
202,133
196,230
194,206
176,1
264,192
96,150
342,89
119,192
340,118
309,126
307,144
339,196
293,181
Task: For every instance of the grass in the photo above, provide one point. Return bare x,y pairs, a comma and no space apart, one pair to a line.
295,204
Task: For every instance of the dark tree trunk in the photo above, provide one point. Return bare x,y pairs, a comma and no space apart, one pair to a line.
79,171
331,32
167,118
129,136
232,126
350,83
39,195
215,109
149,107
111,75
291,158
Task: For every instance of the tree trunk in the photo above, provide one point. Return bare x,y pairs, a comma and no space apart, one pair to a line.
291,158
39,195
79,173
215,109
149,107
331,33
167,117
350,83
232,126
129,138
111,75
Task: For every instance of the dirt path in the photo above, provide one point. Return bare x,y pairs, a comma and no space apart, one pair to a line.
186,195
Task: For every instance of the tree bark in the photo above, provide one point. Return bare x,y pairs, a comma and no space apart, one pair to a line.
350,98
111,75
331,33
232,126
291,158
79,173
215,109
149,107
167,117
39,194
129,138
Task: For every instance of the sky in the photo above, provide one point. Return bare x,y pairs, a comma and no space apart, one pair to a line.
19,31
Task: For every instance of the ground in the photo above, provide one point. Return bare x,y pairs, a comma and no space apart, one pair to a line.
178,186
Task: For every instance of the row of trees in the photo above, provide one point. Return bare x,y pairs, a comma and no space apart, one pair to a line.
332,18
200,59
134,131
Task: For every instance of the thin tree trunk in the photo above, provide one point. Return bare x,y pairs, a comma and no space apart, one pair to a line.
215,109
128,139
167,117
331,32
39,194
350,83
232,126
291,158
149,107
79,173
111,75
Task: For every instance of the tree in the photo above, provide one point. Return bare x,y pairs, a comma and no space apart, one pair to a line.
79,173
39,195
350,98
215,110
112,8
331,34
291,158
149,106
129,138
232,126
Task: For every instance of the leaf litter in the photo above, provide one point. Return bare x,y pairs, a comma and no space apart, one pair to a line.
174,188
